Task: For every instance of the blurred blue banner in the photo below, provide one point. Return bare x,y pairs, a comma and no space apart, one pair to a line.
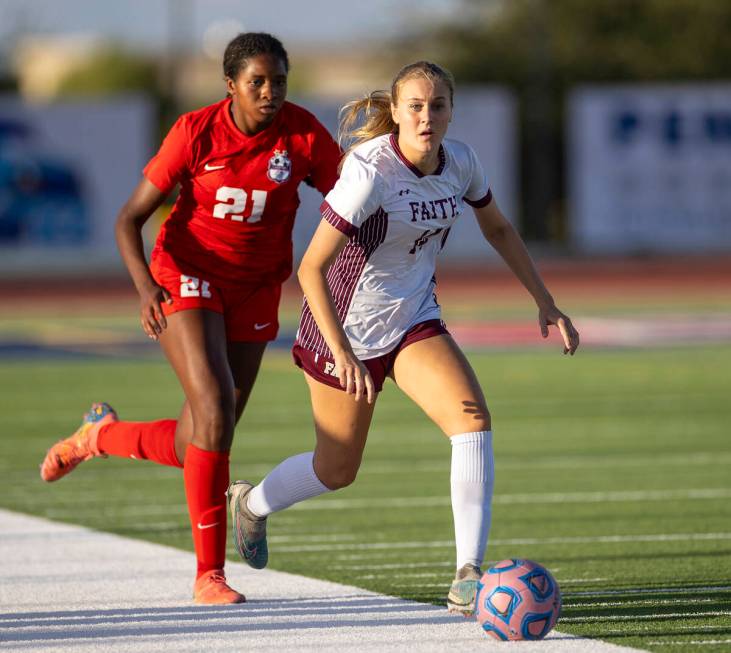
649,168
65,171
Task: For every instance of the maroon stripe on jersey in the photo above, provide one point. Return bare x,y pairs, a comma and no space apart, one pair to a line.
343,277
337,221
411,166
478,204
444,238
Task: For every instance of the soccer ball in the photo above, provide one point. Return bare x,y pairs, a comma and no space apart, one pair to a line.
517,599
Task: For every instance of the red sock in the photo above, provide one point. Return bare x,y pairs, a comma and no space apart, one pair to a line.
206,481
153,441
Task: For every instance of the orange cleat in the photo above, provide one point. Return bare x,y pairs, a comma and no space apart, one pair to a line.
65,455
211,589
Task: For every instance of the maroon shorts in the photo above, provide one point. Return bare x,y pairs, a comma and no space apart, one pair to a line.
249,311
322,368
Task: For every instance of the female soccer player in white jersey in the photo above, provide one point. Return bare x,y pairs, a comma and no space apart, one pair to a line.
370,312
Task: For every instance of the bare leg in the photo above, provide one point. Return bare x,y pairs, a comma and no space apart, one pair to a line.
341,426
195,344
438,377
435,374
244,361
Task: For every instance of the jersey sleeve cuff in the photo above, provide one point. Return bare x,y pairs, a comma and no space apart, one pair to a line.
478,204
157,183
337,221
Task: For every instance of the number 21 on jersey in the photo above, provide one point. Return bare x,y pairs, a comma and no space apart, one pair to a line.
232,202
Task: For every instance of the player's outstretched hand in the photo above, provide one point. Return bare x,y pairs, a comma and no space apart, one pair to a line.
552,316
354,377
151,315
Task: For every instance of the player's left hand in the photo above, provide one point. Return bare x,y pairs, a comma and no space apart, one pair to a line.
552,316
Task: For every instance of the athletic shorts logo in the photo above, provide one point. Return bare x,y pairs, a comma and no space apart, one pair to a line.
259,327
280,167
209,167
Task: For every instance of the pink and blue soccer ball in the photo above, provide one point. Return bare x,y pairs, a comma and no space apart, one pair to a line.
517,599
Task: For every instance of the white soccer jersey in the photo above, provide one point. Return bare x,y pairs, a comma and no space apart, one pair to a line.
398,220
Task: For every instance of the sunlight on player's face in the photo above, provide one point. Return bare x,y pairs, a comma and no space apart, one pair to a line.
423,113
258,92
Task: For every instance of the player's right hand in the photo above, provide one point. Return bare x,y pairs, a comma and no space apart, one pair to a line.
354,377
552,316
151,315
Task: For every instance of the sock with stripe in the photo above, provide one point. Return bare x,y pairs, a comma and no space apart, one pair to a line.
472,478
153,441
291,481
206,476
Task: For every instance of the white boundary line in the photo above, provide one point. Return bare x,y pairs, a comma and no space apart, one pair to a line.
645,617
538,498
517,541
376,467
67,588
653,590
692,642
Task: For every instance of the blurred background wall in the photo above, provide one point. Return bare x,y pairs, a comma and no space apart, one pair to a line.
604,125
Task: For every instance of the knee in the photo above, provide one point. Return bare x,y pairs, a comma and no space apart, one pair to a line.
214,418
336,477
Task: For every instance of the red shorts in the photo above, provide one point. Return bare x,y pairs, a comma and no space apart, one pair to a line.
322,368
249,310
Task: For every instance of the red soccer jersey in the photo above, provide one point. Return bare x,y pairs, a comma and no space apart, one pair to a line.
232,222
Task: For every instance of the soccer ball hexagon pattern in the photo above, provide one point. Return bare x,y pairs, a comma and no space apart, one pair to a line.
517,599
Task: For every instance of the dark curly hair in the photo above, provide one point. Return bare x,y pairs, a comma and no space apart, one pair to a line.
248,45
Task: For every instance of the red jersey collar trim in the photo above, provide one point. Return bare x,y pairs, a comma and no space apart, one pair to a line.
411,166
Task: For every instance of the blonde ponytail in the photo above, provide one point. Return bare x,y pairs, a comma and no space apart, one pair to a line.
364,119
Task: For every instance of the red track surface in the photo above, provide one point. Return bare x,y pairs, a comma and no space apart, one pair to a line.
603,282
575,277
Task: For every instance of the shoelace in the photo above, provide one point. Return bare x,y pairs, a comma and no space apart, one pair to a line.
217,578
66,454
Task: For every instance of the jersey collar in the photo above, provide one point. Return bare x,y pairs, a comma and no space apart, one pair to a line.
411,166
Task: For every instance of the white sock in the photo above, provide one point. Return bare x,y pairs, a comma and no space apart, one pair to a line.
293,480
472,478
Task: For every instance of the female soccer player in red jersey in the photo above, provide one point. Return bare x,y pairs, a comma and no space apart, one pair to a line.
211,292
371,312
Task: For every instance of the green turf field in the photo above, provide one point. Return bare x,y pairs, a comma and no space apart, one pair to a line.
613,469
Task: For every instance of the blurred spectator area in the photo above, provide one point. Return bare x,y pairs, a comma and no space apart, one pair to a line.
536,53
